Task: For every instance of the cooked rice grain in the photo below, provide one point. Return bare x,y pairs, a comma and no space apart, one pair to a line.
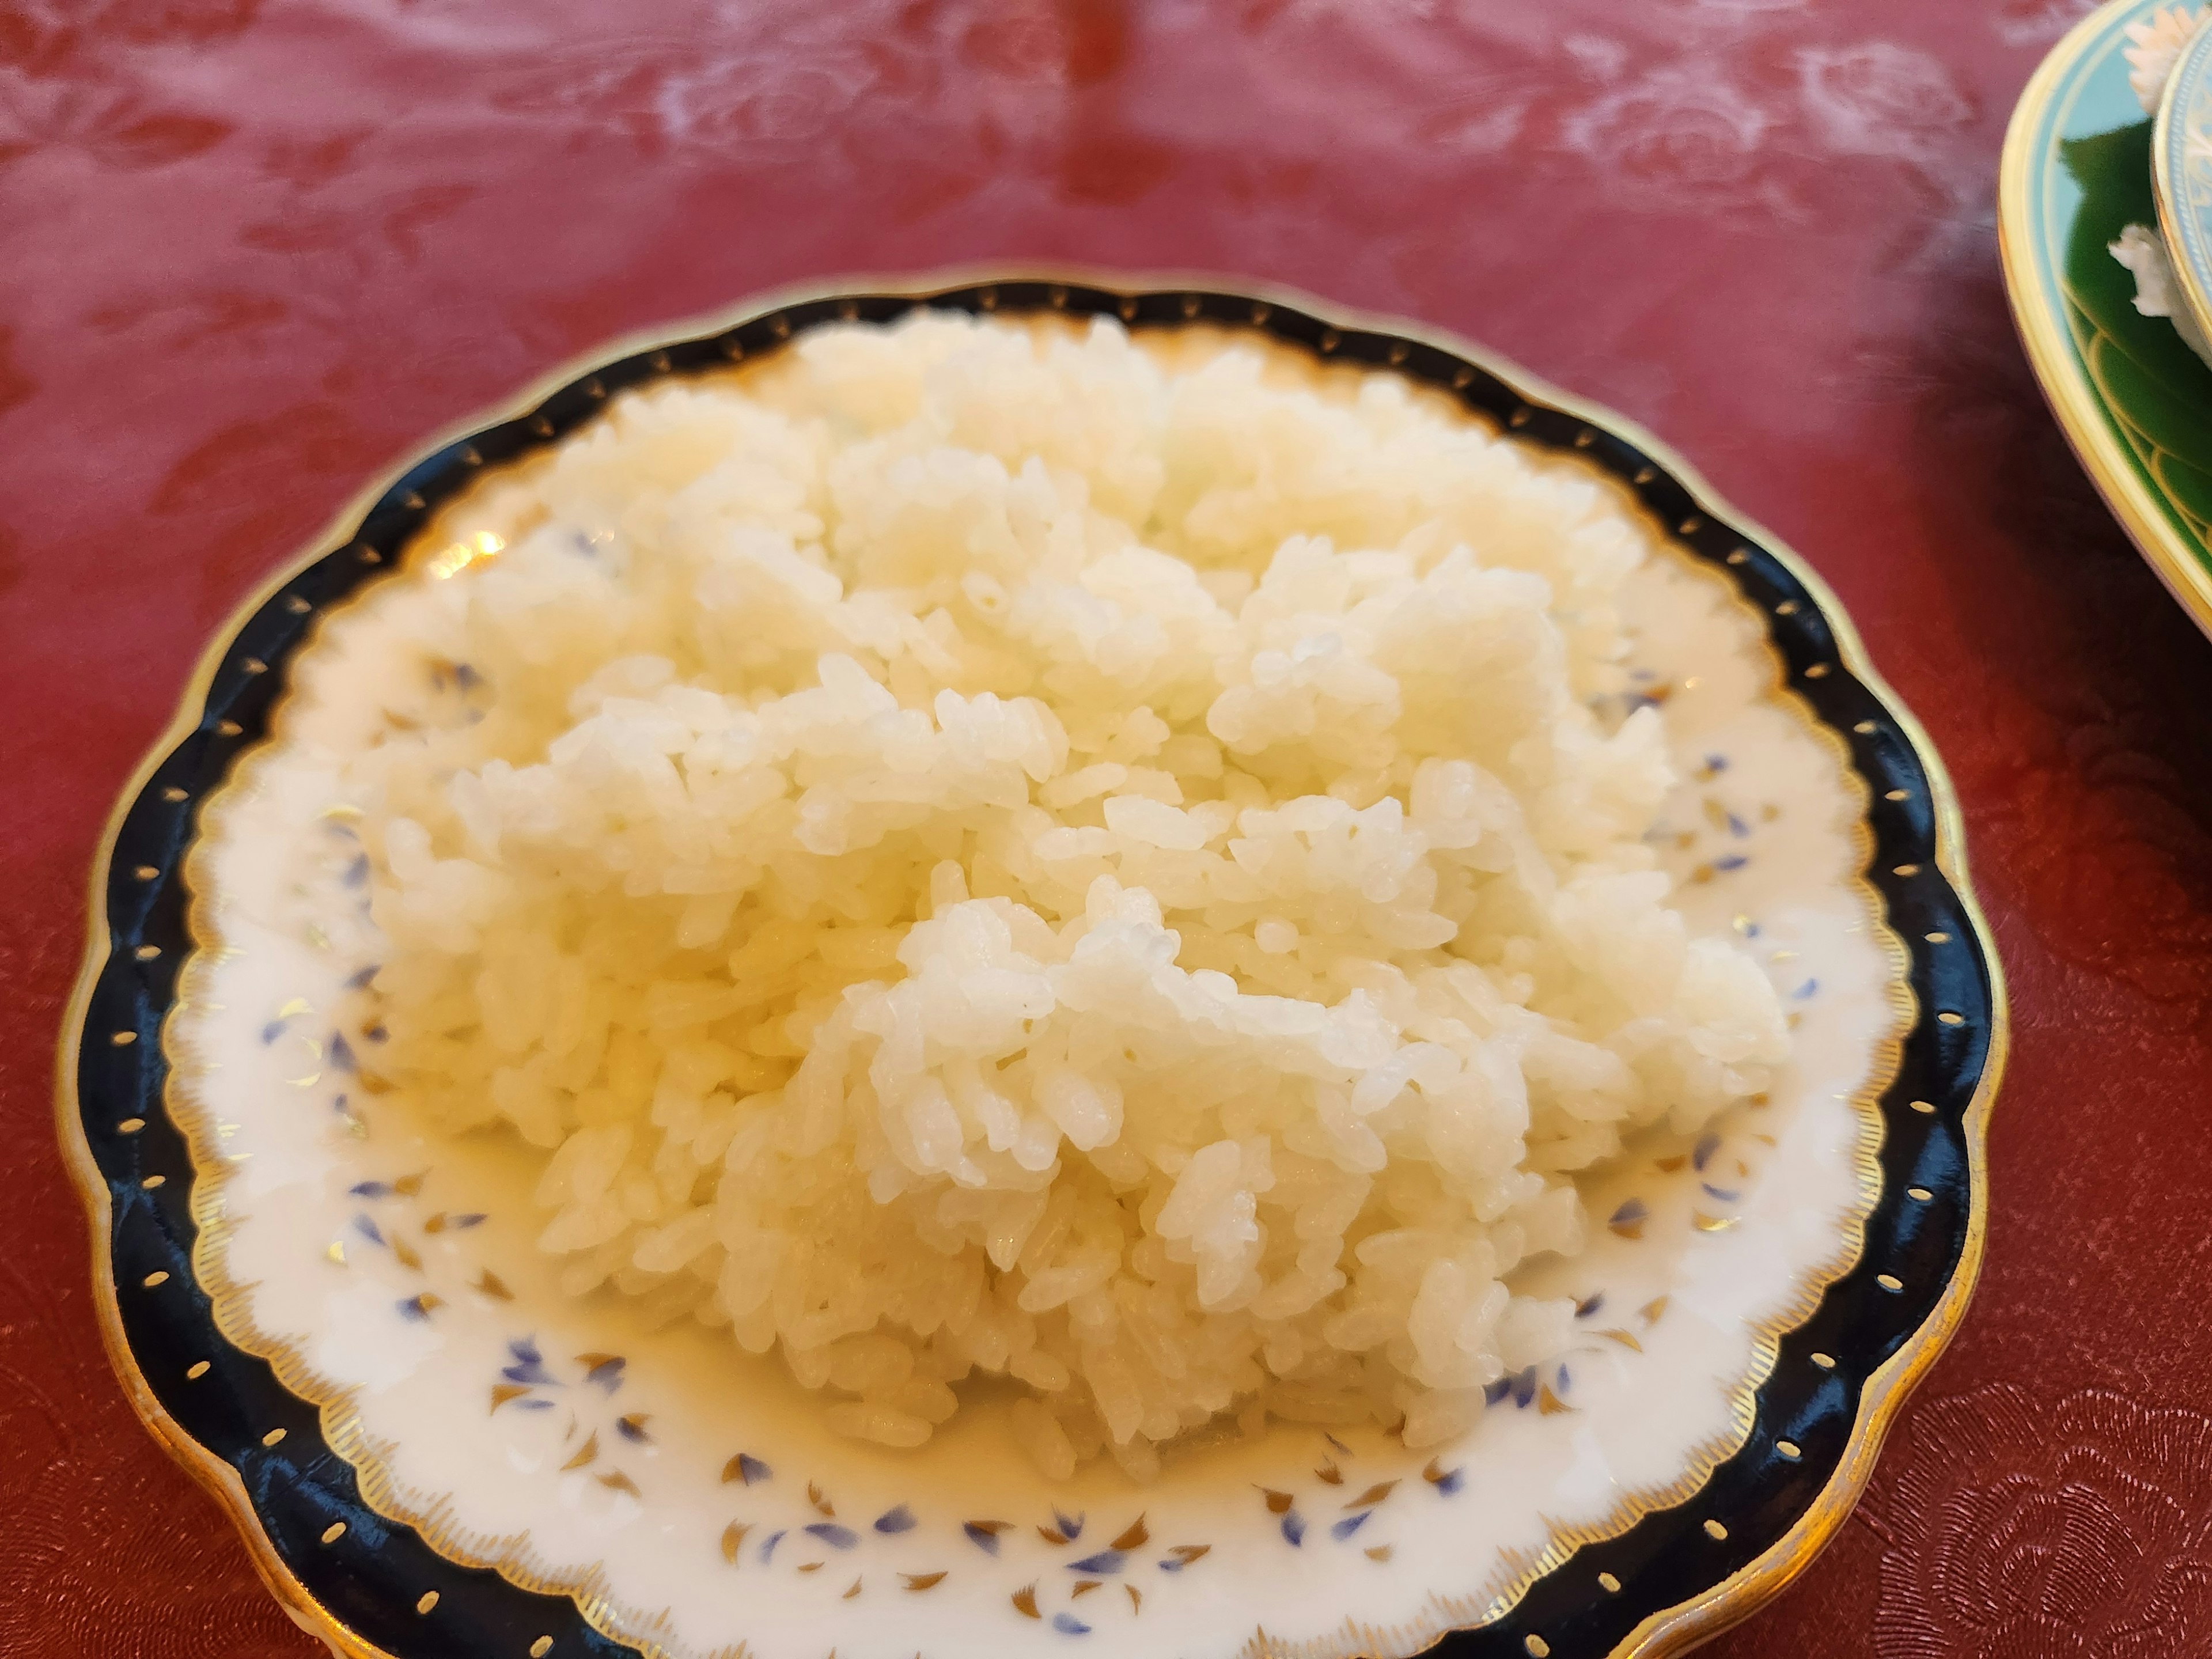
984,849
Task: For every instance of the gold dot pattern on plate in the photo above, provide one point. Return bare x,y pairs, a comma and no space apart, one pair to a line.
1715,1531
335,1531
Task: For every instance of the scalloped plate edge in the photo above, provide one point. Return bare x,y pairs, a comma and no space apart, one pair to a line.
1668,1632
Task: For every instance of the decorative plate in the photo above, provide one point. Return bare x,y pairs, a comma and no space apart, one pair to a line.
340,1325
2133,400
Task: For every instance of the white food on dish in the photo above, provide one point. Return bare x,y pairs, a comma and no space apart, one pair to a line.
979,850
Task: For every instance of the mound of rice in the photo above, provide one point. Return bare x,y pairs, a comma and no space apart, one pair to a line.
990,848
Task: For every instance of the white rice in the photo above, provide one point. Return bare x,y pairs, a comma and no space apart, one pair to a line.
976,849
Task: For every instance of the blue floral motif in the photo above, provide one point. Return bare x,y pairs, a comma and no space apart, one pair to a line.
1068,1625
896,1520
837,1537
529,1365
607,1373
1294,1528
1104,1562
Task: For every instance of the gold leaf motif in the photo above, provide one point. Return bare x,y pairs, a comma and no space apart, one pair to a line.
1186,1554
814,1496
1136,1598
1653,1308
1024,1601
1379,1552
734,1469
592,1361
1668,1165
733,1538
616,1481
336,1252
1374,1494
993,1528
1710,1224
1627,1229
809,1567
1083,1587
1627,1338
1134,1538
1434,1474
1278,1502
919,1582
491,1285
436,1224
405,1252
503,1392
408,1186
1051,1536
1329,1474
584,1453
1549,1404
297,1005
851,1593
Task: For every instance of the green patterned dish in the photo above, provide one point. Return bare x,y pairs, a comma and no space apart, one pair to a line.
2133,400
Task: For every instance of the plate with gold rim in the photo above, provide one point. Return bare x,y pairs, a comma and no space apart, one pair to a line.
2077,173
335,1316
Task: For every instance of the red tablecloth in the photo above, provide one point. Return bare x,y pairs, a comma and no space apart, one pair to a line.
252,251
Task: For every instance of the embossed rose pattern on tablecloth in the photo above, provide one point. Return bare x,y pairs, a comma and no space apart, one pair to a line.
251,251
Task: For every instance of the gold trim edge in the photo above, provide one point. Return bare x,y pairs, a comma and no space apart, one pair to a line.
1670,1631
